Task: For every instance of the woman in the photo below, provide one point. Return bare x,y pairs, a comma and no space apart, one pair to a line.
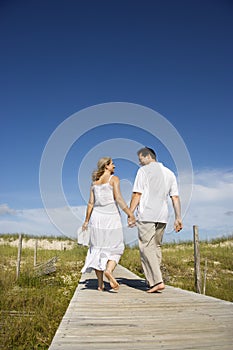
106,234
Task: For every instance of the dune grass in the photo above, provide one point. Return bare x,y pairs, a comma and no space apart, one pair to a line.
178,266
32,307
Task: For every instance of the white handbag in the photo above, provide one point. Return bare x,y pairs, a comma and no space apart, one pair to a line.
84,236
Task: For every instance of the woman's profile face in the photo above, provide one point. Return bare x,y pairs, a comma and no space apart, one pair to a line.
111,167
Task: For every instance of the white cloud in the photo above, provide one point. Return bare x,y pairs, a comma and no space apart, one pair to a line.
211,209
213,186
4,209
211,204
34,221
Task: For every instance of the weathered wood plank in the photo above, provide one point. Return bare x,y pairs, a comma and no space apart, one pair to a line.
134,319
47,267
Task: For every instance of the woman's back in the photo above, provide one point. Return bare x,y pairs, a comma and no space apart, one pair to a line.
103,193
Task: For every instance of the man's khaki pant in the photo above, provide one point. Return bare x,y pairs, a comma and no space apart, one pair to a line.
150,235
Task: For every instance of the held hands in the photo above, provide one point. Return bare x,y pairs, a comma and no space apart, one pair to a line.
131,220
178,225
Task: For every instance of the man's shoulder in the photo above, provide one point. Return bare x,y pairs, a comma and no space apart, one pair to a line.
168,173
141,170
165,168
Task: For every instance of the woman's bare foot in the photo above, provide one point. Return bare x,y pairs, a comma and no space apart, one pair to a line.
113,283
101,289
156,288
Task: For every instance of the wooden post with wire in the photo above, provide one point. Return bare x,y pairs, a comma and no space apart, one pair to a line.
19,256
197,269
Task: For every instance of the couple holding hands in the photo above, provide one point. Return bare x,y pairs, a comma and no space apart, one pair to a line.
153,184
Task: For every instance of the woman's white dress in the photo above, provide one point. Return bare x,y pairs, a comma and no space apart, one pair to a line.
106,233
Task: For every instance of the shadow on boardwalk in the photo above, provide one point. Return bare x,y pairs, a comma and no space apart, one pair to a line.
134,319
91,283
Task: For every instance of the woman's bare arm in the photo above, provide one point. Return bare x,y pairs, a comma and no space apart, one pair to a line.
115,182
88,210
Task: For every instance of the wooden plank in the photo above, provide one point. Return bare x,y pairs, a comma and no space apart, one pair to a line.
47,267
134,319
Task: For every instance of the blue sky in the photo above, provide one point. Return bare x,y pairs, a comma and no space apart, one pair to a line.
60,57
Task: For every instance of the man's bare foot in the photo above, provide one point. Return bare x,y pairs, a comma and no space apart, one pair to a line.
156,288
113,283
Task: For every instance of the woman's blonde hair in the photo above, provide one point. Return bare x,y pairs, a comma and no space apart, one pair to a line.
100,168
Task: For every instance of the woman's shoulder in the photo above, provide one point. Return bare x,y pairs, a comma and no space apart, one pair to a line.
114,179
104,180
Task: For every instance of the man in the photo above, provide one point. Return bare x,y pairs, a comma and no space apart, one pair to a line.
152,186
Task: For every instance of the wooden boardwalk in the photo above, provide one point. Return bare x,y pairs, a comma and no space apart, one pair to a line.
133,319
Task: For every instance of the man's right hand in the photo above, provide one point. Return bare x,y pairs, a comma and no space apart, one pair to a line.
131,221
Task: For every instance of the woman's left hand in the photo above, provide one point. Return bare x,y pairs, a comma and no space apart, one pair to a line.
85,226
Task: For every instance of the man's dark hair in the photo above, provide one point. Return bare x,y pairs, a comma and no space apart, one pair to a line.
145,151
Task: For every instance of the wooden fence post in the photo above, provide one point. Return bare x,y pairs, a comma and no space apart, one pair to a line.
205,276
19,256
197,269
35,252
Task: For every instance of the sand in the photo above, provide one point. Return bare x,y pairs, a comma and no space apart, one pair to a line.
51,244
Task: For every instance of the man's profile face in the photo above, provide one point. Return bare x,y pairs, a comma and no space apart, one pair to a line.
144,160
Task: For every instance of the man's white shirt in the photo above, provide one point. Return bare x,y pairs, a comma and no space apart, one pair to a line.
155,182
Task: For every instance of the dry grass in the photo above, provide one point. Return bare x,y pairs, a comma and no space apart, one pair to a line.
32,307
178,266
